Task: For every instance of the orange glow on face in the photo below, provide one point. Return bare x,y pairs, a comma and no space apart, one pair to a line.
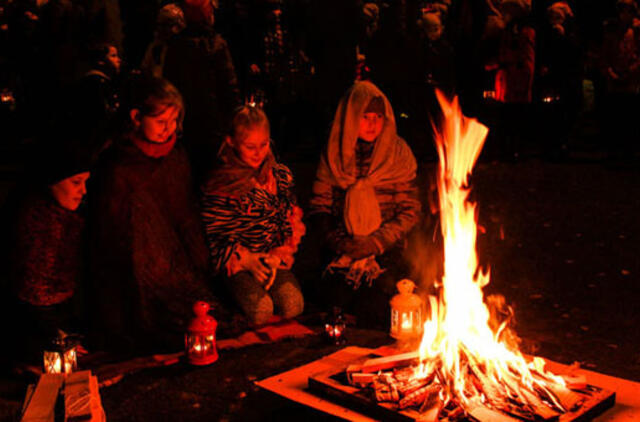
371,125
254,148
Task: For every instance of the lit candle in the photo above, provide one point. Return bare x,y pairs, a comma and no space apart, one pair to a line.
406,322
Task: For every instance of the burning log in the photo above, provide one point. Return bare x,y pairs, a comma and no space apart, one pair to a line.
431,407
419,396
485,385
569,399
537,406
385,392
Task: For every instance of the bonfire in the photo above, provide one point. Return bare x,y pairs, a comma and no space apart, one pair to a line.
468,362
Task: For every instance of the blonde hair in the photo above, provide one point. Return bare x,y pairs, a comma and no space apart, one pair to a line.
246,119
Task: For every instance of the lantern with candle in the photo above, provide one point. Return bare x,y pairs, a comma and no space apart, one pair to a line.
334,326
406,312
61,357
200,339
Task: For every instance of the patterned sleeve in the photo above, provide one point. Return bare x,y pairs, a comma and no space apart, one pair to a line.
407,213
284,178
219,216
255,221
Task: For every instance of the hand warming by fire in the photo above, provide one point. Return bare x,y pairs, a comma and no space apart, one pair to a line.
467,362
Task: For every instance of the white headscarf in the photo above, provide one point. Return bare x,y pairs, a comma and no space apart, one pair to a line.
392,160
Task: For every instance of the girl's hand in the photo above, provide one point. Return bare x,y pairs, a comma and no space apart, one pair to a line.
256,264
273,262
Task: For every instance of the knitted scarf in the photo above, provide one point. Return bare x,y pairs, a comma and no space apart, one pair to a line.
153,149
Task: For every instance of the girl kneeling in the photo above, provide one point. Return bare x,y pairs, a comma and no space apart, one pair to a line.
253,224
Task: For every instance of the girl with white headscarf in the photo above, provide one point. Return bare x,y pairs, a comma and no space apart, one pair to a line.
365,195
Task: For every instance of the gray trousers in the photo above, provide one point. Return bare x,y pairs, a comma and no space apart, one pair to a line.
259,304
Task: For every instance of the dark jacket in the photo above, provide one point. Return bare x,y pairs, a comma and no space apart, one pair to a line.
46,259
199,64
149,258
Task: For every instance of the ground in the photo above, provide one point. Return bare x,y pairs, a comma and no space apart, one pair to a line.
561,242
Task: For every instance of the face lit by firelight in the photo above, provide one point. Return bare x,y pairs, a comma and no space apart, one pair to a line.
156,128
371,125
70,191
253,149
114,58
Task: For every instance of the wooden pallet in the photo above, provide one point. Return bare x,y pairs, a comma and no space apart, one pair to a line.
333,384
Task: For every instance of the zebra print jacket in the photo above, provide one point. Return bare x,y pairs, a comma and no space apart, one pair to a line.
259,220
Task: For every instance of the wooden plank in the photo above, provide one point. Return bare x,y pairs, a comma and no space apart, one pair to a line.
599,401
27,398
42,405
360,379
388,362
481,413
77,396
82,398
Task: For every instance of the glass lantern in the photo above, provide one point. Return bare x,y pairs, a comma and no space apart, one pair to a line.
62,356
406,312
200,338
335,326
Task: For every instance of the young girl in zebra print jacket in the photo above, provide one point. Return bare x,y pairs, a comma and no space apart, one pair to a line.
253,225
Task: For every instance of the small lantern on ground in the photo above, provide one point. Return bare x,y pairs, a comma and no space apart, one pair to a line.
200,339
335,326
62,356
406,312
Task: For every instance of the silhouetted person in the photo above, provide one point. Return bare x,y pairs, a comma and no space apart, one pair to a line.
198,63
621,69
515,66
559,63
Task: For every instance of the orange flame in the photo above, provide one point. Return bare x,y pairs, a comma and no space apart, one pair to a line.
458,338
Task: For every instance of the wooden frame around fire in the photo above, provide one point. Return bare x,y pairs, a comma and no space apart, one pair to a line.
333,384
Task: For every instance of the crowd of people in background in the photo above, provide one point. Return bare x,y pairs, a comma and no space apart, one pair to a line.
162,115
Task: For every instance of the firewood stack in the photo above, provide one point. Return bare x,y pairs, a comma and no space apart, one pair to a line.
395,380
78,391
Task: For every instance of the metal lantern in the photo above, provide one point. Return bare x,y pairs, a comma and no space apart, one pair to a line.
406,312
62,356
200,339
335,326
